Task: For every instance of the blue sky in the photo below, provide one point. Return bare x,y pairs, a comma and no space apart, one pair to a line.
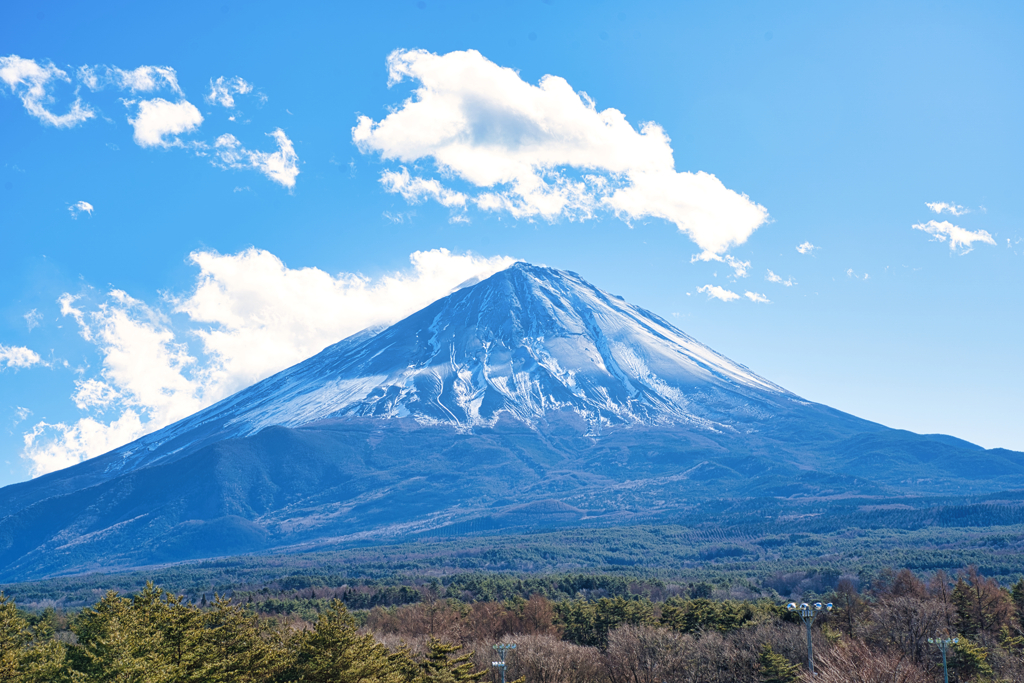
193,198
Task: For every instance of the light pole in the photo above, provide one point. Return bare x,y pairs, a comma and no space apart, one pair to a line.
500,664
944,644
807,615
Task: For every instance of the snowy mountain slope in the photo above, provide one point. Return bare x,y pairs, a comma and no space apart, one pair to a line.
529,391
527,341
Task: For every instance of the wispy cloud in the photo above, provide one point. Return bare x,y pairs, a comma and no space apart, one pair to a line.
281,166
939,207
739,268
772,277
223,90
252,315
716,292
32,319
757,298
31,82
546,151
80,207
806,248
851,274
415,189
18,357
958,237
141,79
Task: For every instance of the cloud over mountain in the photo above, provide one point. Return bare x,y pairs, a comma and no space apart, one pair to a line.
544,151
252,315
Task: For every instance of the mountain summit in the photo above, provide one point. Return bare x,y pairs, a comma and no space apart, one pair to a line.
531,388
524,343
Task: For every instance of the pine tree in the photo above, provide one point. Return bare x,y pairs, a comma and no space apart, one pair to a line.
14,636
1017,595
115,645
982,606
774,668
437,666
969,660
335,652
30,655
230,646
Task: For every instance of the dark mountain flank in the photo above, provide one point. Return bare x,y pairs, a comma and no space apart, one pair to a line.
531,400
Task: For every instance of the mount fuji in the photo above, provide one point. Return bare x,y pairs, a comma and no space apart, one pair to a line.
528,400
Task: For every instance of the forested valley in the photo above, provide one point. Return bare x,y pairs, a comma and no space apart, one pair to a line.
609,630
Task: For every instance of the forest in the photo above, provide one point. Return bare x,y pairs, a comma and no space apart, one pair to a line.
566,629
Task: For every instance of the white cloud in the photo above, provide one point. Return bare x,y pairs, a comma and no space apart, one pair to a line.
772,277
806,248
222,90
739,268
415,189
66,300
957,236
30,82
156,122
157,118
939,207
144,373
757,298
255,329
32,319
142,79
281,166
18,357
21,414
80,207
53,446
522,143
94,393
714,291
245,311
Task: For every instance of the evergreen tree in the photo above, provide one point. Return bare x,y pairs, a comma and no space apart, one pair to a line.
774,668
1017,595
116,646
969,660
230,646
982,606
30,654
14,635
334,652
438,667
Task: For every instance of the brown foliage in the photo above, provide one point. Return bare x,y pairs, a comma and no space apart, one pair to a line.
641,654
456,622
855,662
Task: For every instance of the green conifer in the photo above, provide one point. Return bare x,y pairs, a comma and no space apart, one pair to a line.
774,668
439,667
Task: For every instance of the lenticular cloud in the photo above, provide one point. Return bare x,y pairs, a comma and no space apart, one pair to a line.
545,150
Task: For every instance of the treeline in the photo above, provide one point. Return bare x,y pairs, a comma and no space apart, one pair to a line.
605,634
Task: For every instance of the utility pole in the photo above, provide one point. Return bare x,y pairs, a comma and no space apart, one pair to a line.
807,615
500,664
944,644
